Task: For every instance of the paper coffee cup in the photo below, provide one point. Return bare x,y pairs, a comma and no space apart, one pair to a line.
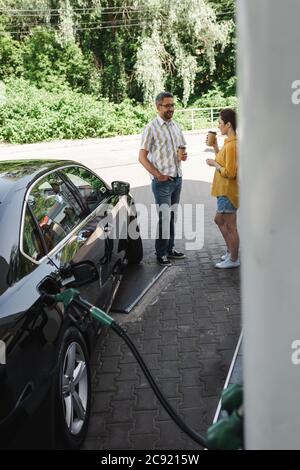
181,152
211,138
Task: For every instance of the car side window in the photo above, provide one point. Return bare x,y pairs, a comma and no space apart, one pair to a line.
32,243
55,208
92,189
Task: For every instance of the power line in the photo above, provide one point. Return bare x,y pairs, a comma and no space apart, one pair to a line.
102,11
117,12
106,10
95,26
96,22
110,27
79,29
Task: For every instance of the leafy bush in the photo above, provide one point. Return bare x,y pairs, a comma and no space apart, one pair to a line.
214,98
31,114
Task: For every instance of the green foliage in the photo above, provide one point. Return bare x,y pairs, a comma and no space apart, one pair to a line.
148,68
114,78
214,99
46,59
65,59
188,34
10,55
34,115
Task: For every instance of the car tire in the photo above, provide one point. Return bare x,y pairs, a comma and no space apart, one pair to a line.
134,248
72,390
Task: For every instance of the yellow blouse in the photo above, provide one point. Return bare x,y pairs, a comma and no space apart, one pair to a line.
225,182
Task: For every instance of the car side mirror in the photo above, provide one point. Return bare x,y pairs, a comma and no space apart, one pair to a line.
120,188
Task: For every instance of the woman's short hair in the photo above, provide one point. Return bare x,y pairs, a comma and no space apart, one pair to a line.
229,115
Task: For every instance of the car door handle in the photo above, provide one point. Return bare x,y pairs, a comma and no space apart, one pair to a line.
83,235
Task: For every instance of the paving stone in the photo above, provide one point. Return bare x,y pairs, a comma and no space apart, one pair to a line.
169,387
125,389
97,425
169,352
190,360
127,372
122,411
163,415
151,346
152,361
105,382
187,331
118,437
145,441
101,401
188,344
168,369
110,364
167,325
169,337
170,436
191,377
187,319
144,422
90,444
191,395
145,400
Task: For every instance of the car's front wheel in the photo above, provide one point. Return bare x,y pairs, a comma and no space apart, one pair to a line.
73,390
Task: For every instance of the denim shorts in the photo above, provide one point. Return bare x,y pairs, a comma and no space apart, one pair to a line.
224,206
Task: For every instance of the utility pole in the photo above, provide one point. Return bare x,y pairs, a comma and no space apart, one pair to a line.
269,87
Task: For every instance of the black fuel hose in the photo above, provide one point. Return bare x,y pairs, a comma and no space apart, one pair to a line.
169,409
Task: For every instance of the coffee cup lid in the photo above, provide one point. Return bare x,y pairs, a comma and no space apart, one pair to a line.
212,132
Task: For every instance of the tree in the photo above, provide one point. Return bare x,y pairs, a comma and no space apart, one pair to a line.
121,48
188,33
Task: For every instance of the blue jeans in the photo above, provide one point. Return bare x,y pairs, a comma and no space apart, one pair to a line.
166,195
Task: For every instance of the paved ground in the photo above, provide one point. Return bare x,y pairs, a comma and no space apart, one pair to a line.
186,328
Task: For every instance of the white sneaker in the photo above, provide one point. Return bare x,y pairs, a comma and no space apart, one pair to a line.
225,256
227,263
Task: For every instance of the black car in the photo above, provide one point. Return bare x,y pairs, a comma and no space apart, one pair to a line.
58,220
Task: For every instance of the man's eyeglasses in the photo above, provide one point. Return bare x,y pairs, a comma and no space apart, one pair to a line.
168,106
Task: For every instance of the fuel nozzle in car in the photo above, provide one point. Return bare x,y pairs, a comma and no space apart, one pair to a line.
72,296
220,436
80,307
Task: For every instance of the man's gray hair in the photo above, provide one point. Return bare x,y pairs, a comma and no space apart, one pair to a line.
161,96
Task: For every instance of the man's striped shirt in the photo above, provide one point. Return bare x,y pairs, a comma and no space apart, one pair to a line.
162,139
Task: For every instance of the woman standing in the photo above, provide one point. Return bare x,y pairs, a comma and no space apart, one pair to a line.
225,188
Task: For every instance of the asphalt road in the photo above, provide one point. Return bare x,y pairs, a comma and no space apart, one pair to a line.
114,158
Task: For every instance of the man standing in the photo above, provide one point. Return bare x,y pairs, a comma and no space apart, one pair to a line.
159,155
